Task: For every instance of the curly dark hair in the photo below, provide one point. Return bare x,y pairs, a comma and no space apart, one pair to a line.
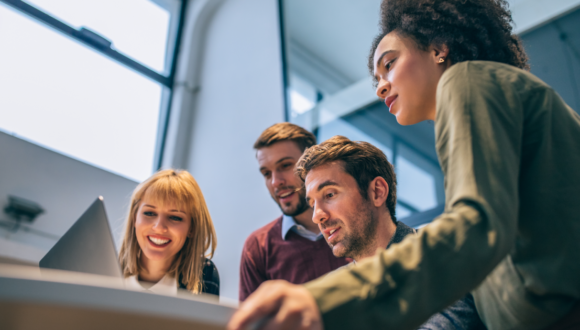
471,29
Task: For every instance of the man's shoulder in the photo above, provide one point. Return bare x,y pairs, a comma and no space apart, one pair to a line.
460,315
262,233
402,231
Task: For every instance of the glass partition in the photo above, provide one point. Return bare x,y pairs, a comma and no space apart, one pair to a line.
330,92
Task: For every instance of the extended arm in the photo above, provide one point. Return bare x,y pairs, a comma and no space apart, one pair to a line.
478,128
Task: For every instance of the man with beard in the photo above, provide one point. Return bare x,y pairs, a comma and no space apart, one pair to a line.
291,247
353,190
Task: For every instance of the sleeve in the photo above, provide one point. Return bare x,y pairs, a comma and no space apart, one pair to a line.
478,134
252,268
462,315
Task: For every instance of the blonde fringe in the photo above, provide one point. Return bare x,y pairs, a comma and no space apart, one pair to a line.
179,187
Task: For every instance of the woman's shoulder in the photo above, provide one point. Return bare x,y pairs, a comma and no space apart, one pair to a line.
493,74
211,278
481,66
210,271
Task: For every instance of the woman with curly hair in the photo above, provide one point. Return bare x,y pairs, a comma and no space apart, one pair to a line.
509,148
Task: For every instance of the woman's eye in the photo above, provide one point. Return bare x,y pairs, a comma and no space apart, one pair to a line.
329,195
149,213
176,218
389,65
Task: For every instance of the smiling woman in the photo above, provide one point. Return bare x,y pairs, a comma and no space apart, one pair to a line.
168,232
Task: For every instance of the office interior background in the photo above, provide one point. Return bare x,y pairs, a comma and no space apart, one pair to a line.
96,95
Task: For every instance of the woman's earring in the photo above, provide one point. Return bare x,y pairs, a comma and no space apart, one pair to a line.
441,60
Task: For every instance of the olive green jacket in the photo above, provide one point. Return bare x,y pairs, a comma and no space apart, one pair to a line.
510,151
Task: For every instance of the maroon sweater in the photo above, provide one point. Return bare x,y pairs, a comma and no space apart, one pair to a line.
266,256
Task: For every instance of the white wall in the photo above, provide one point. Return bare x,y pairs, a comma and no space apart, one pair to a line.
63,186
232,91
228,90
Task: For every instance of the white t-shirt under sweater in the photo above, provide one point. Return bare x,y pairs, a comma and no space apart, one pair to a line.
166,285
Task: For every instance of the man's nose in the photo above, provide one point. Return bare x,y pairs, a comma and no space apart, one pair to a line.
278,179
319,215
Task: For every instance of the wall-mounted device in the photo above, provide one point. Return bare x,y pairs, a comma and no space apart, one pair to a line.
22,210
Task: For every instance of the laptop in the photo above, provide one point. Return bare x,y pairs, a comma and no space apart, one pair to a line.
87,247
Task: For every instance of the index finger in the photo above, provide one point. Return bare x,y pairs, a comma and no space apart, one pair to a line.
258,306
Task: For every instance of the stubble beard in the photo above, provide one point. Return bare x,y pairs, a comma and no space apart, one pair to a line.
300,208
362,235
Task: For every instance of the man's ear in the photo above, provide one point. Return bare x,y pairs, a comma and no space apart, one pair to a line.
378,191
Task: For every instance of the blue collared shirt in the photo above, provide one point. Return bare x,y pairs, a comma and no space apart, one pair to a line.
288,224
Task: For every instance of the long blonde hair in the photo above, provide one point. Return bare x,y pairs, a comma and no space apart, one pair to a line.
179,188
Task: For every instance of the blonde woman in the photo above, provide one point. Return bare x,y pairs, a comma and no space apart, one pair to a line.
168,233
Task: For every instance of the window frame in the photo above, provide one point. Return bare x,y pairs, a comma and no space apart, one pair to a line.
103,46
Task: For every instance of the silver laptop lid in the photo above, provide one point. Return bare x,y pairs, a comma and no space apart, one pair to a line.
87,247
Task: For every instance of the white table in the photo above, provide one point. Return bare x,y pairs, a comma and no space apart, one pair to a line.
31,299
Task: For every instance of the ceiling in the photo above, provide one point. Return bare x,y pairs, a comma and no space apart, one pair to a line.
337,34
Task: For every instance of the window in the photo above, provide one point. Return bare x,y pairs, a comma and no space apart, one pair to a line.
417,178
137,28
101,106
303,96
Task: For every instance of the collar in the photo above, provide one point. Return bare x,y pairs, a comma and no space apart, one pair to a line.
166,285
400,233
288,223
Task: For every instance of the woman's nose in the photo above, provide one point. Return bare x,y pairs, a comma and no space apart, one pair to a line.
160,224
382,89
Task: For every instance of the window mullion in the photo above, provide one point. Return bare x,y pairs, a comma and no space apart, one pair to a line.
88,38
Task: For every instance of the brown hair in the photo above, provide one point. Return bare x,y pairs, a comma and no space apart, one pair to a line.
361,160
180,188
285,132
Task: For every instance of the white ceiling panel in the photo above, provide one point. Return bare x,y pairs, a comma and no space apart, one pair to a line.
338,33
